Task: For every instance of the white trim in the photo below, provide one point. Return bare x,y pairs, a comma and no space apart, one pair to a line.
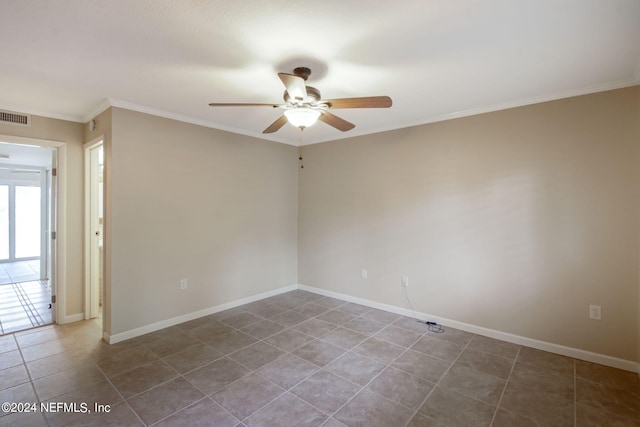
132,333
627,365
186,119
71,318
104,105
59,276
491,108
88,146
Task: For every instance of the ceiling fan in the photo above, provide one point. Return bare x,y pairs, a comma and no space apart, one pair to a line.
303,105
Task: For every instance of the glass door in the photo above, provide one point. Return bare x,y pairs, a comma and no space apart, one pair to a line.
4,223
27,221
22,211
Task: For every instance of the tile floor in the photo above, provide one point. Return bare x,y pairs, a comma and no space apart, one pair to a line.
24,298
24,305
19,271
300,359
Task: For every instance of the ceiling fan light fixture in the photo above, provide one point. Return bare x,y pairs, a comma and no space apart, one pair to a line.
302,117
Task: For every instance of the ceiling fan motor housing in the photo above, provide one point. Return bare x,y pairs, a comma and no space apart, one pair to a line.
313,96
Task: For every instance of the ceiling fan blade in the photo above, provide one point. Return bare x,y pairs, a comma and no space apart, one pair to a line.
336,122
275,126
295,85
225,104
365,102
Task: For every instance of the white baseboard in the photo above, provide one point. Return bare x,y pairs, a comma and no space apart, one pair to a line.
575,353
132,333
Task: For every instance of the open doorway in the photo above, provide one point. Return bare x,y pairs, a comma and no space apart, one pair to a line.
94,220
25,220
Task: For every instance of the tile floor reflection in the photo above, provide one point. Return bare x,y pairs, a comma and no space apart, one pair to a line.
24,305
19,271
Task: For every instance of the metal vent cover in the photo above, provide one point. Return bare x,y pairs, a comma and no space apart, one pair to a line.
18,119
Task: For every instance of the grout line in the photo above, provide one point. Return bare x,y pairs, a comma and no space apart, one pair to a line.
513,365
33,387
575,394
440,379
118,392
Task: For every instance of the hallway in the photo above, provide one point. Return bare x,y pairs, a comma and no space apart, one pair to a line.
24,298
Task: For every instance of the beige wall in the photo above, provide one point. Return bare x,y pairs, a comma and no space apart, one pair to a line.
71,134
191,202
515,220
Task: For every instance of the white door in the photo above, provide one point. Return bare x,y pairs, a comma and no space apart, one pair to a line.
94,167
51,231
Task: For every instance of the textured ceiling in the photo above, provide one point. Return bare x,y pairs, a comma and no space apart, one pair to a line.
437,59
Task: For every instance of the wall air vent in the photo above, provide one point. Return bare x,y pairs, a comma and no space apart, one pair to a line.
18,119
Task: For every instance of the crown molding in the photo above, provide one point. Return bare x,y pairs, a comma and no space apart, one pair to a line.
187,119
503,106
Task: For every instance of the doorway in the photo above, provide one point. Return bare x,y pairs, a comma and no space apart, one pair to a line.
94,222
26,188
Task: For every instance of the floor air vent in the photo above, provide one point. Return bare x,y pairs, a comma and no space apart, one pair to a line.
14,118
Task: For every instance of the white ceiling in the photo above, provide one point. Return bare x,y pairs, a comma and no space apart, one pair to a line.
25,155
437,59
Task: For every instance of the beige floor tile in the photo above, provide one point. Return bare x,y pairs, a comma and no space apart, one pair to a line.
444,408
539,407
143,378
401,387
192,357
326,391
477,385
63,382
216,375
485,362
610,377
203,413
555,362
493,346
319,353
372,410
256,355
283,410
164,400
356,368
247,395
422,365
288,370
612,400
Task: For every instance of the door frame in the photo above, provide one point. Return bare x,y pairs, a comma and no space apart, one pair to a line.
57,232
91,295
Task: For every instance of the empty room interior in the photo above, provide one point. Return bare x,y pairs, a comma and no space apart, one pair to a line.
413,213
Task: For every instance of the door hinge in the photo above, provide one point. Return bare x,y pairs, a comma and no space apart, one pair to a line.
54,235
54,172
53,299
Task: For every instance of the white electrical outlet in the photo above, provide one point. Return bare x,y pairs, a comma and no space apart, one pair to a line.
595,312
183,284
405,281
364,273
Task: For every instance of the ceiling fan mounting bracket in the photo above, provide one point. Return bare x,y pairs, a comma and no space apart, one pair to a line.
303,72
